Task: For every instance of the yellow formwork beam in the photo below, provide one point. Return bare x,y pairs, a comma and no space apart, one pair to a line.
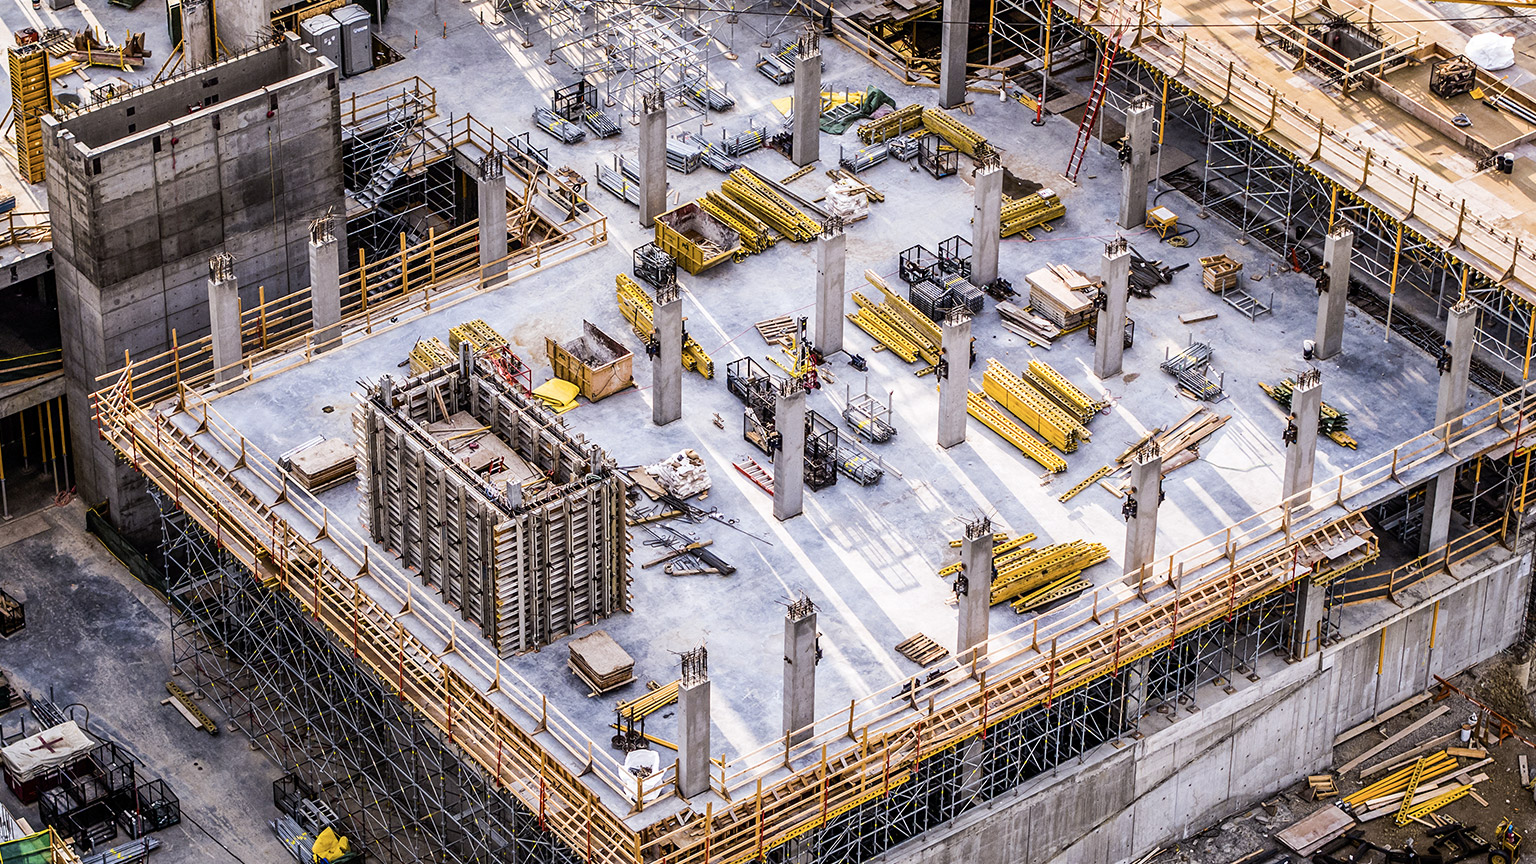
1031,406
1064,392
977,406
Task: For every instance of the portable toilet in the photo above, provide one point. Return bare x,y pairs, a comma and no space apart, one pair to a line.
356,39
324,33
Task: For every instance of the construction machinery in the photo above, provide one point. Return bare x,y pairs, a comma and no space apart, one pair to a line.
1506,843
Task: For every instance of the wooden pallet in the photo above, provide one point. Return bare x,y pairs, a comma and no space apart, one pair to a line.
921,650
778,331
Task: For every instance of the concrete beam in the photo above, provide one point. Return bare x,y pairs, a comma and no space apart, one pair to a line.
224,320
831,272
491,189
667,368
1115,271
1141,504
653,157
1455,367
800,670
1135,172
953,43
197,33
806,147
986,223
324,284
954,376
693,725
1301,454
789,458
1333,299
973,588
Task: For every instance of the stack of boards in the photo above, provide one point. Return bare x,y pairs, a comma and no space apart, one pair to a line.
600,663
1061,295
324,465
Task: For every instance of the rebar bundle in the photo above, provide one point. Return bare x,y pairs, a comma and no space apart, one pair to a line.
713,154
745,142
599,122
1191,369
756,195
858,467
554,124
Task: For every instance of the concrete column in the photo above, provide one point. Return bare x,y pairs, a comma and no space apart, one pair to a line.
324,283
491,186
1135,173
954,376
789,459
1301,454
1141,525
224,319
693,725
986,221
1115,271
976,580
1435,530
831,269
807,141
1460,333
1331,304
953,39
667,370
1309,618
799,669
653,157
197,33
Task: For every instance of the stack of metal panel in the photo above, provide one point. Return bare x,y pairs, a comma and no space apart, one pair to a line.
599,122
927,296
712,153
779,67
683,156
554,124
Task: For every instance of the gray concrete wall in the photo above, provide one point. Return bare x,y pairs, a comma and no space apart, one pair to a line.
140,201
1120,804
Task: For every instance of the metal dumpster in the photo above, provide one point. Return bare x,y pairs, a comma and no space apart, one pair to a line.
696,239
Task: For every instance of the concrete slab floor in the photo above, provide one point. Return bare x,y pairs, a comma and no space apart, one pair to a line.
866,555
98,637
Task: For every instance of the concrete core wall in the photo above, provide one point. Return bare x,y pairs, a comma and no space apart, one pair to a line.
1118,804
233,158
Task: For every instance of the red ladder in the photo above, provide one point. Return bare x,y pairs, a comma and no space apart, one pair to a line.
754,472
1091,109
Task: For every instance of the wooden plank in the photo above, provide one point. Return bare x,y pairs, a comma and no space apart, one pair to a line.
1525,772
1196,317
1466,752
1407,756
1312,832
1380,718
1414,727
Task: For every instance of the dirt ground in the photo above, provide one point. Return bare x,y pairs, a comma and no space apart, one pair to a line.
1248,836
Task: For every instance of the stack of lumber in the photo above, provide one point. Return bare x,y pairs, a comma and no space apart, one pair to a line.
1221,273
1331,422
600,663
429,354
896,324
1179,445
1037,410
1021,322
1029,578
324,465
1057,293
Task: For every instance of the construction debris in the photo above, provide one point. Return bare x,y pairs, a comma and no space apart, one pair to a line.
682,474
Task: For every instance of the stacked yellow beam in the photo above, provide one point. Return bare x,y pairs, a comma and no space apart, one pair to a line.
1428,768
1063,392
881,332
635,306
1001,546
1055,565
762,200
755,236
921,344
1051,592
904,308
477,333
1034,209
960,136
429,354
1038,412
895,123
990,416
650,703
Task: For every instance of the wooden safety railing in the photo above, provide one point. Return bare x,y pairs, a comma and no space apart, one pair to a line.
25,227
